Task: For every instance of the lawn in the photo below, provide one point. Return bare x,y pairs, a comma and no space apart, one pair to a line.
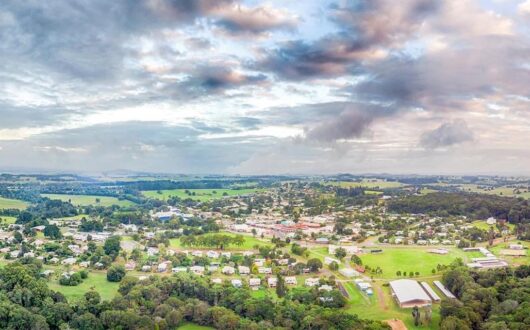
193,326
7,220
249,243
7,203
512,260
413,259
96,281
201,195
84,200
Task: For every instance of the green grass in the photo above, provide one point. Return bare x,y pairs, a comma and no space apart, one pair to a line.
523,260
84,200
192,326
412,259
7,220
96,281
201,195
7,203
500,191
249,243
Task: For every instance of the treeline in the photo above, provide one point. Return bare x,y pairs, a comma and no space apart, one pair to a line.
487,300
164,303
218,241
476,206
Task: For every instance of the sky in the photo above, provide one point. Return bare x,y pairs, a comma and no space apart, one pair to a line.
266,87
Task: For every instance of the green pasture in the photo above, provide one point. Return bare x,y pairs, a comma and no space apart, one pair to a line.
8,203
193,326
96,281
201,195
84,200
7,220
366,183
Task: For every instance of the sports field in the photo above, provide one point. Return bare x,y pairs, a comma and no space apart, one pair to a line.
201,195
84,200
413,259
7,203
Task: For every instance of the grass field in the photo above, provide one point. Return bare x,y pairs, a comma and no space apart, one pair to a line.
501,191
524,260
83,200
192,326
96,281
249,243
7,220
414,259
7,203
201,195
369,184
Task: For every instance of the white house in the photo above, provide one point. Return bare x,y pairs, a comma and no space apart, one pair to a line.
68,261
212,254
198,270
243,270
254,282
228,270
312,281
237,283
272,282
179,270
325,287
217,281
265,270
291,280
146,268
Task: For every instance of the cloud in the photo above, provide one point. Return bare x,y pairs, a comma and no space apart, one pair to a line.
242,20
446,135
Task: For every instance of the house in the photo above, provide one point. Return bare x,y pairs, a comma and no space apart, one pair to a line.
350,249
146,268
348,272
254,283
328,260
152,251
217,281
226,254
325,287
322,240
272,282
162,267
283,262
29,255
291,280
68,261
212,268
236,283
197,270
248,253
516,247
228,270
84,264
491,221
196,253
409,293
312,281
212,254
243,270
265,270
130,265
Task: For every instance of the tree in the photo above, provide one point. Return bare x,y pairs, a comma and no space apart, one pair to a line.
18,237
416,315
340,253
398,273
281,289
53,232
333,266
314,264
112,246
356,260
115,273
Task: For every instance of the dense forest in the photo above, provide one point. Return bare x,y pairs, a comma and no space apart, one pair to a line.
26,302
476,206
487,300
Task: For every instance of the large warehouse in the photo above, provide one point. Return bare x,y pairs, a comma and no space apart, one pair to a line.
409,293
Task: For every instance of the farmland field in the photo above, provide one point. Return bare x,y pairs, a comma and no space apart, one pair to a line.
7,220
249,243
7,203
369,184
83,200
96,281
201,195
500,191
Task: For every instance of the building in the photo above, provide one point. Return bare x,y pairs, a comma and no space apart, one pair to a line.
409,293
228,270
350,249
430,291
254,283
217,281
236,283
444,290
291,280
348,272
328,260
212,254
243,270
265,270
272,281
197,270
313,281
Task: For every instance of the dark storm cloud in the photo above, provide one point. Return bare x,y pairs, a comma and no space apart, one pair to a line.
216,78
446,135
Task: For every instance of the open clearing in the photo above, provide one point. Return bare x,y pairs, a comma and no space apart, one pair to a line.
7,203
193,326
84,200
7,220
201,195
500,191
96,281
413,259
